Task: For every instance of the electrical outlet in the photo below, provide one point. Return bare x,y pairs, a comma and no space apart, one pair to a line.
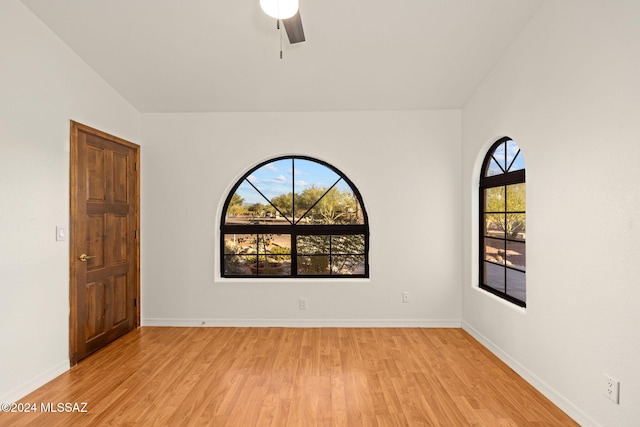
303,303
612,389
405,297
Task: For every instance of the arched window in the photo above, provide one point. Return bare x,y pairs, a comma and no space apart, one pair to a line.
503,222
294,216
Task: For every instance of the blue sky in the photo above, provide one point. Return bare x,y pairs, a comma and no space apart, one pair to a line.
510,149
277,177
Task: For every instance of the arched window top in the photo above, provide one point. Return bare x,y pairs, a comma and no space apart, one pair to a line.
503,157
294,216
294,190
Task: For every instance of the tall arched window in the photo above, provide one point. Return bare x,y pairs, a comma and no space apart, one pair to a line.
503,222
294,216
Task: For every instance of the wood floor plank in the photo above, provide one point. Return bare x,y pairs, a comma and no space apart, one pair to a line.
292,377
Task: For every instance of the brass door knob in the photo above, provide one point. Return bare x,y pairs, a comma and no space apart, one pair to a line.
85,257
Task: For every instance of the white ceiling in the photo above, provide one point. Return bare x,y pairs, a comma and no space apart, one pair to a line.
214,55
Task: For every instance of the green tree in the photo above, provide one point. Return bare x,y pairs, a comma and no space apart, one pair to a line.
335,207
235,205
256,208
306,199
332,207
284,203
508,209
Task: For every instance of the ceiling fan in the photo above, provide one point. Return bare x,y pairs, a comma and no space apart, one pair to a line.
286,11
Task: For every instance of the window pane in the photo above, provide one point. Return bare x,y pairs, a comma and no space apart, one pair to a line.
273,178
499,156
250,204
493,168
268,265
308,174
238,264
313,265
347,244
494,276
242,250
274,255
516,255
240,243
312,180
516,198
274,244
247,206
515,160
318,205
355,211
494,199
494,250
494,225
313,244
336,206
237,212
516,284
239,251
516,226
275,181
347,264
304,201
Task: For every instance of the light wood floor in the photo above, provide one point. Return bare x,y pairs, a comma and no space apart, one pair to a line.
292,377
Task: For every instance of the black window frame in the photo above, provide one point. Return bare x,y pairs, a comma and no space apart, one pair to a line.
295,229
503,179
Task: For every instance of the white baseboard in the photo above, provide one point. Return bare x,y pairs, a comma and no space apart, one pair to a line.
559,400
306,323
35,383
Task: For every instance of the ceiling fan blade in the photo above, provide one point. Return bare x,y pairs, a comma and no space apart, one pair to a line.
293,25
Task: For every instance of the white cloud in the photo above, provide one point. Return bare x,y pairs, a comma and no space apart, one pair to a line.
280,179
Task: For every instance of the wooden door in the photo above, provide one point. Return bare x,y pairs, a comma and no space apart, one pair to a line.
104,245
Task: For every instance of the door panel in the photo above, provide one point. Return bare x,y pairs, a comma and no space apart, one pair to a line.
95,173
95,241
119,229
104,222
120,188
95,302
120,298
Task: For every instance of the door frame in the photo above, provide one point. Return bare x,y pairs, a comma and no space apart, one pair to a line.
75,127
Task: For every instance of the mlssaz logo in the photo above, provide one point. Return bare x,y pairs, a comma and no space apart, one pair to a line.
63,407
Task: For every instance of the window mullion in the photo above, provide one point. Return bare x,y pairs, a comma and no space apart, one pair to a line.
293,191
294,254
330,254
505,232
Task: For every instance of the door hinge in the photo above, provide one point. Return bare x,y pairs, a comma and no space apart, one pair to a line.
136,167
135,234
135,302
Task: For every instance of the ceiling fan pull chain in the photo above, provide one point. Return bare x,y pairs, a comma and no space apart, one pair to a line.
280,28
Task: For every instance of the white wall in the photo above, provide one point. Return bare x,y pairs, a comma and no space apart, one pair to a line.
405,164
568,92
43,85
